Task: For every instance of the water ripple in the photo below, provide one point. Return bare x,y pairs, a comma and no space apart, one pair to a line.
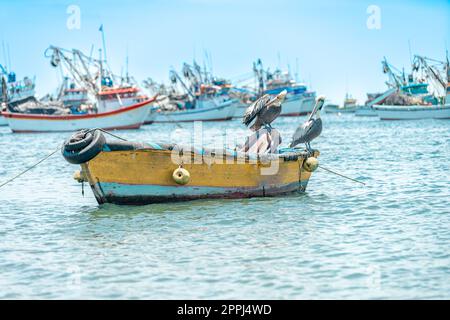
387,240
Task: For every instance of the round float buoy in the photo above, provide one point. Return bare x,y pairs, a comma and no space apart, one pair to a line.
79,176
83,146
181,176
311,164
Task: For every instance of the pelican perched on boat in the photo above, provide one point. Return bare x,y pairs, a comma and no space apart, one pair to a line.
264,111
311,129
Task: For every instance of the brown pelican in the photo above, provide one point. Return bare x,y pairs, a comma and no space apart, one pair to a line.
311,129
264,110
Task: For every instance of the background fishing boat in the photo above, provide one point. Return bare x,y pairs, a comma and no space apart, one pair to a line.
200,98
206,109
13,91
299,100
414,100
349,106
367,109
413,112
131,117
91,100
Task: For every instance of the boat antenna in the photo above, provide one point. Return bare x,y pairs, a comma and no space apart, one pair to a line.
346,86
101,65
204,64
210,64
289,69
103,41
9,57
4,53
296,69
90,53
410,54
126,68
279,59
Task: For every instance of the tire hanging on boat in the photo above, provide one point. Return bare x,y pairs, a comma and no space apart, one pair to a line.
83,146
78,140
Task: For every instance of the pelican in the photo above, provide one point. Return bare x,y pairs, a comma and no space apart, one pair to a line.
311,129
264,110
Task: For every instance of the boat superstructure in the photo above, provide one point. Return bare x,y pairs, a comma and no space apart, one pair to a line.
95,97
415,99
299,100
13,91
195,96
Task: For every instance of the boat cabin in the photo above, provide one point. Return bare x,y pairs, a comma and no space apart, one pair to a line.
117,97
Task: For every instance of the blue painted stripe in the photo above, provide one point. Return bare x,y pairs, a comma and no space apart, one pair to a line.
128,190
155,146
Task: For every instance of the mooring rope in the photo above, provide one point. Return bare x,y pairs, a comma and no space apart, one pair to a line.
341,175
29,168
52,153
107,132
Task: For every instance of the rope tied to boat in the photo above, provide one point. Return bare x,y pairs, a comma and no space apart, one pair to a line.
107,132
51,154
29,168
341,175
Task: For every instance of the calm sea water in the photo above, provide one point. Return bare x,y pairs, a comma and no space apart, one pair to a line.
389,239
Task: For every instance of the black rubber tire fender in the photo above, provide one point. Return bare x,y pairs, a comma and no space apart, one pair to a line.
87,153
79,140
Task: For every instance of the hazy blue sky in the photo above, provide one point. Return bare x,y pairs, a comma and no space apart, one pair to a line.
331,40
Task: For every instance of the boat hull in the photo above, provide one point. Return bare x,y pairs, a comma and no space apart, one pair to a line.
366,112
209,112
151,116
138,177
336,109
297,106
131,117
291,107
412,112
3,121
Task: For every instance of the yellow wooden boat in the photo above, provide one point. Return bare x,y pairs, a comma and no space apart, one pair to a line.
123,172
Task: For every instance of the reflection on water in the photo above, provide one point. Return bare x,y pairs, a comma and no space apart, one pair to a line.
388,239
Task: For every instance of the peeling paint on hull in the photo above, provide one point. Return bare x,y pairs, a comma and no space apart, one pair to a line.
147,194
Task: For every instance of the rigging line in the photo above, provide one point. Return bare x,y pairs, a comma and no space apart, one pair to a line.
107,132
341,175
29,168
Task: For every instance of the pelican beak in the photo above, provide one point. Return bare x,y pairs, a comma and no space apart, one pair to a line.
320,102
281,96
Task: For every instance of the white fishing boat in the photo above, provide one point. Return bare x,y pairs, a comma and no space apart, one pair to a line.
131,117
424,105
201,98
349,106
413,112
299,100
111,107
367,110
208,109
13,91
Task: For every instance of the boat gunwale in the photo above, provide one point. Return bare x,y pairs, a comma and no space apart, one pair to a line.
262,158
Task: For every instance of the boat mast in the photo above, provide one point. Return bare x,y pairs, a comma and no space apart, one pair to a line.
430,70
177,77
58,54
394,79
